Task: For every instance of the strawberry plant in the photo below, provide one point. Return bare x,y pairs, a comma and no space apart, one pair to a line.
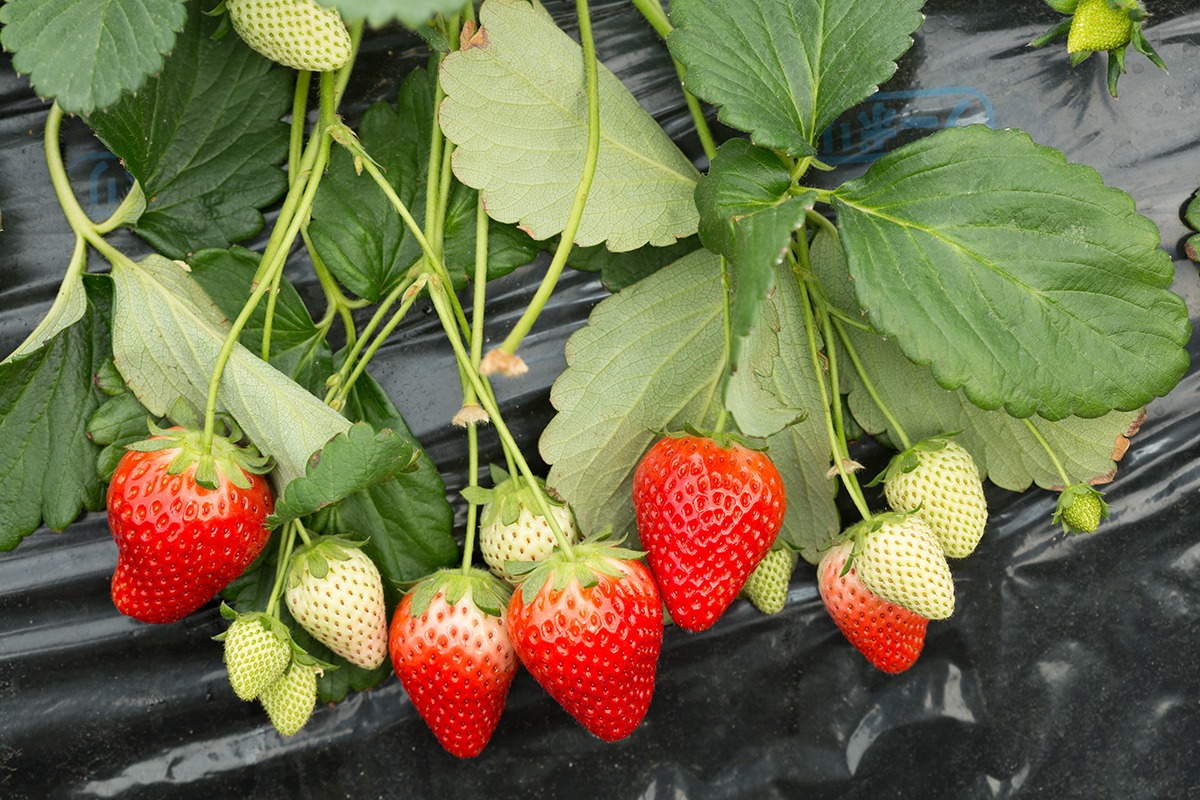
973,300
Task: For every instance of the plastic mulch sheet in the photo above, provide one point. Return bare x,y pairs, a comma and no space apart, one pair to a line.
1069,669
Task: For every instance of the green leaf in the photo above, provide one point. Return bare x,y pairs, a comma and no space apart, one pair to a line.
298,346
783,70
618,270
68,308
776,395
47,464
378,12
358,233
166,337
1001,445
204,140
349,463
86,53
516,108
649,360
1014,275
1192,217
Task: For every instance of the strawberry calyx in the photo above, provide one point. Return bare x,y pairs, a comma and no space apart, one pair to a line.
908,460
587,560
509,495
279,630
856,535
1080,509
482,589
225,460
317,554
725,440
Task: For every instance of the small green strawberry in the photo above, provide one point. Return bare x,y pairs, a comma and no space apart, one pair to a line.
1080,509
290,700
296,33
899,559
937,480
258,649
510,526
767,586
1101,26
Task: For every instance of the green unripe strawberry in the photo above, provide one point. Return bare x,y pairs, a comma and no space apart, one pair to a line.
1080,509
257,651
1097,26
767,586
899,560
290,700
296,33
937,480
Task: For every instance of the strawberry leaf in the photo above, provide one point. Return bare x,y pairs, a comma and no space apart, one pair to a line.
377,12
661,341
618,270
166,336
1014,275
516,108
86,53
349,463
783,70
1002,446
48,465
204,140
357,232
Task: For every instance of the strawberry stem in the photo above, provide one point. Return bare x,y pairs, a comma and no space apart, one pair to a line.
287,544
477,305
893,423
575,215
299,124
1041,440
727,321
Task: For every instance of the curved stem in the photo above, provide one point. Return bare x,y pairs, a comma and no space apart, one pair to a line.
1041,440
726,291
343,389
867,383
355,347
575,215
821,221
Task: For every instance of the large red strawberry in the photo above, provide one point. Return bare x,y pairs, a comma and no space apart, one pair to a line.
178,542
890,636
707,513
588,625
452,653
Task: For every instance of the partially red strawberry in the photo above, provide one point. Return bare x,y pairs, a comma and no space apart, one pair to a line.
890,636
178,542
588,625
451,650
707,513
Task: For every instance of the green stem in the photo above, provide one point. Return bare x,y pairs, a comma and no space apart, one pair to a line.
343,390
727,317
286,545
819,219
868,384
477,304
437,293
336,302
299,123
355,347
835,389
1062,473
575,215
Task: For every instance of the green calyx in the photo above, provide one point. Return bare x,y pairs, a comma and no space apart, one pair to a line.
588,560
225,460
487,593
1080,509
506,499
279,630
910,459
1109,26
317,554
723,439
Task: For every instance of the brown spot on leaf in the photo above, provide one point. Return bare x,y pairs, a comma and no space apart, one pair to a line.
470,37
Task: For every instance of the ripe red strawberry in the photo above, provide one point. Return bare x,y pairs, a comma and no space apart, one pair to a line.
178,542
451,650
898,559
890,636
588,626
707,513
335,592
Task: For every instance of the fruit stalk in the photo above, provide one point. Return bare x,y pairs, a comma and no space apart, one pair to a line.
893,423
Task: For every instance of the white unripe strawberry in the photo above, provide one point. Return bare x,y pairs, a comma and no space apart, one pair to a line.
938,481
900,561
290,700
257,651
296,33
767,586
335,592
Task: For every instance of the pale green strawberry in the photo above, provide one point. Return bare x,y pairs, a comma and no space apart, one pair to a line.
257,651
1098,26
296,33
898,559
767,586
290,700
510,526
937,480
1080,509
335,592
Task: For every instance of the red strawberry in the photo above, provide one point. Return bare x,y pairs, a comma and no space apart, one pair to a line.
707,513
451,650
178,542
890,636
588,626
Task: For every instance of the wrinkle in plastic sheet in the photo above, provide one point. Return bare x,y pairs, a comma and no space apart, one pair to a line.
1068,670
